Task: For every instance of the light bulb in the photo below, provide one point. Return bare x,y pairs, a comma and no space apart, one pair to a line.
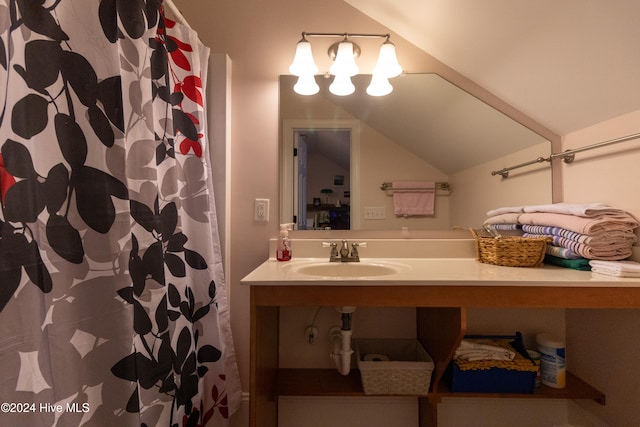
387,64
379,86
345,62
306,85
303,61
342,85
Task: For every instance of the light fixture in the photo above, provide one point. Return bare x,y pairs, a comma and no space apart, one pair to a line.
344,54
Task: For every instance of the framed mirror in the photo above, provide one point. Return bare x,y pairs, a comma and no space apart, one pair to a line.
339,155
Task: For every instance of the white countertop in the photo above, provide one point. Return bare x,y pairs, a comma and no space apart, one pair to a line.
434,271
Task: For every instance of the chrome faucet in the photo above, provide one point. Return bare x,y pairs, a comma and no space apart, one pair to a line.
343,254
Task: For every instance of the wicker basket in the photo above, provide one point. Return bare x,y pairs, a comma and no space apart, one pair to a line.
512,251
406,373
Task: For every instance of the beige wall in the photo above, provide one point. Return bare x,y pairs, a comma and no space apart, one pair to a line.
259,36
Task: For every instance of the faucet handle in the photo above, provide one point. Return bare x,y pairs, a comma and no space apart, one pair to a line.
333,246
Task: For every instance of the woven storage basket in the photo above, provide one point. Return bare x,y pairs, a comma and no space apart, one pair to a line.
406,373
511,251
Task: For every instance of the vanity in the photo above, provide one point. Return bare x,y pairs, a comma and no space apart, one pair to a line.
440,278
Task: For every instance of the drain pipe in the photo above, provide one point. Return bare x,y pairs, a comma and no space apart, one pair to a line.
341,338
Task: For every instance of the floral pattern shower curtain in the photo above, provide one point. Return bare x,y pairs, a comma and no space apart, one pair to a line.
113,306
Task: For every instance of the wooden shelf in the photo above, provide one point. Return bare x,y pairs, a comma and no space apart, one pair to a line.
328,382
575,389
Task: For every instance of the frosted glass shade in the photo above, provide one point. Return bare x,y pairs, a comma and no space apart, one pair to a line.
303,63
379,86
345,62
387,64
306,85
342,85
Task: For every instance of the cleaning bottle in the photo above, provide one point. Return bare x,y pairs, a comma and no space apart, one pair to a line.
283,251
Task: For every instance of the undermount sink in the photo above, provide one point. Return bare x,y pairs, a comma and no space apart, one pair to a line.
347,269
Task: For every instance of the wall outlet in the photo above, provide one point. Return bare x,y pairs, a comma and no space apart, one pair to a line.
374,212
261,210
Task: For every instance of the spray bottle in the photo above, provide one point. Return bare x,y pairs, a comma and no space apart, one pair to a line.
283,251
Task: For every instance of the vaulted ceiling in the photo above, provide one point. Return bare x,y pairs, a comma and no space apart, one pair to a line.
568,64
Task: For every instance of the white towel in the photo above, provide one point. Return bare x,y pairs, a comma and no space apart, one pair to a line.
616,268
469,350
585,209
413,198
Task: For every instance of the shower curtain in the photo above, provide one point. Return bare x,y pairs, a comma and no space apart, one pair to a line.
113,308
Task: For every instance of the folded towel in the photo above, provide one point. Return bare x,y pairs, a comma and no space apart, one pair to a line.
616,268
583,225
505,210
612,251
469,350
585,210
603,238
575,264
413,198
560,252
505,218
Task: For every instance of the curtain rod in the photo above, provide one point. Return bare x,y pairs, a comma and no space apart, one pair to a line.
179,17
568,156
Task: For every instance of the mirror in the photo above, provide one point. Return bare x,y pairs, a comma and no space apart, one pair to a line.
427,130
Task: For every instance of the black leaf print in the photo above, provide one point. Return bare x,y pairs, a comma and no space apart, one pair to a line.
3,55
126,294
174,295
159,63
29,116
101,126
64,239
55,187
141,322
138,274
10,267
109,19
168,220
94,190
151,12
208,353
175,264
144,216
201,312
126,368
23,201
39,19
35,268
81,76
110,95
212,290
71,140
133,404
17,160
132,17
161,317
183,124
42,61
183,348
173,315
176,242
195,260
153,262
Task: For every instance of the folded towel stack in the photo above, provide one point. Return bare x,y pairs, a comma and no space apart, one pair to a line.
616,268
577,231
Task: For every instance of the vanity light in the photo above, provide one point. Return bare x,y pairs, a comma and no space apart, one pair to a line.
344,54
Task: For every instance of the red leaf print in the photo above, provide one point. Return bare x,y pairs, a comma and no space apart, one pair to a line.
186,145
6,179
181,45
190,89
180,60
214,393
194,120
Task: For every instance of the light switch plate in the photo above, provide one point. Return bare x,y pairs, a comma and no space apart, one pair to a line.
261,210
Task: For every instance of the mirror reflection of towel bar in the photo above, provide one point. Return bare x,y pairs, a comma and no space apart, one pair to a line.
440,186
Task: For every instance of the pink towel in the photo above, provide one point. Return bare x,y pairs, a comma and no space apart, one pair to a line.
583,225
413,198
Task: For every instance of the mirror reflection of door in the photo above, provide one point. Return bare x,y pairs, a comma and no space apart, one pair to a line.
322,178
